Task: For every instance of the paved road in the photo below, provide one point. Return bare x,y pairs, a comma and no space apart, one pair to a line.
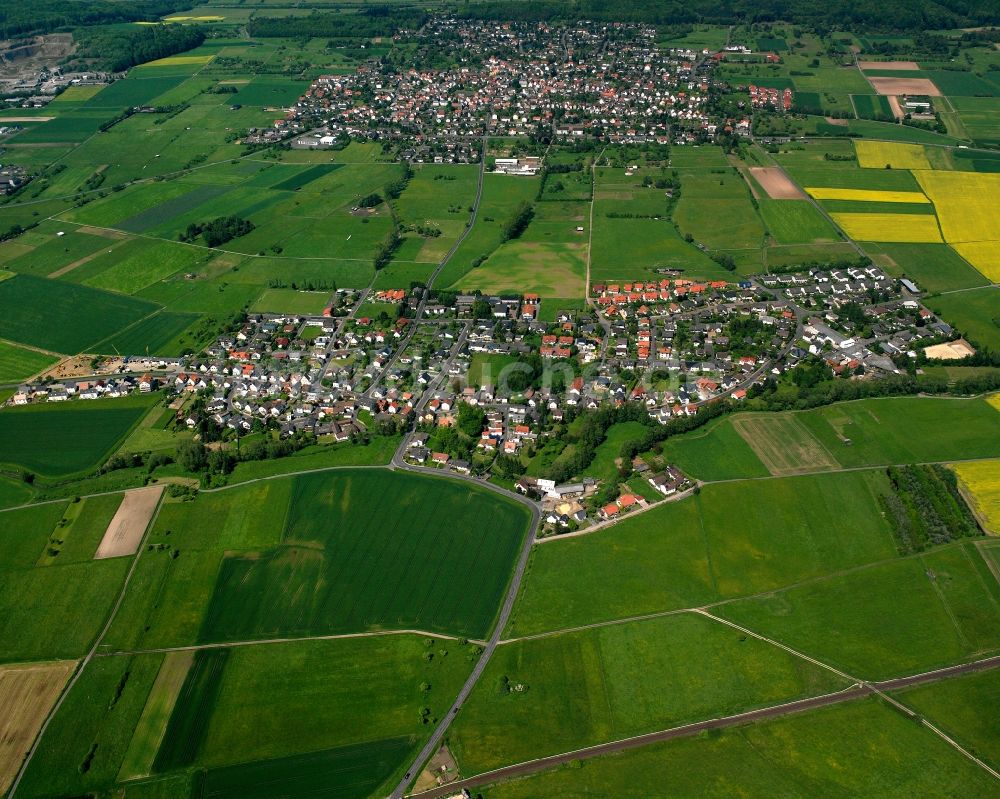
515,584
854,692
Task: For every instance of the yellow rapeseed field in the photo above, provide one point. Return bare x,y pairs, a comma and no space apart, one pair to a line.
876,154
982,481
967,203
994,400
984,255
867,195
911,228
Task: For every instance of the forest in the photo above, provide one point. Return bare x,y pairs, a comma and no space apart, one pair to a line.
372,22
118,49
835,14
19,18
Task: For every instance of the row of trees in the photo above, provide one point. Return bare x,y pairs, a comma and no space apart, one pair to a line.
518,221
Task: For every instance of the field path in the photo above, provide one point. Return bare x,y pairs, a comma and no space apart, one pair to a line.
86,660
850,694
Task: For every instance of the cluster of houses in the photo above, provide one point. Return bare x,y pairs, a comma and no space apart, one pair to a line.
61,391
779,100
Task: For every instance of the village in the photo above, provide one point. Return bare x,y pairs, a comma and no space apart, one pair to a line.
595,80
479,385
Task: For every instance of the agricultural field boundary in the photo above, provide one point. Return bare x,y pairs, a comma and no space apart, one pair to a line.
84,662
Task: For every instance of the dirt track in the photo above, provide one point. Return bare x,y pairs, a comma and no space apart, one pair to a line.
801,705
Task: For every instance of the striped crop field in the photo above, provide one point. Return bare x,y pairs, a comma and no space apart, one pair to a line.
878,154
913,228
867,195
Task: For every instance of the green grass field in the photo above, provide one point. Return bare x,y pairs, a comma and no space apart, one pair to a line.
17,363
306,303
89,736
689,553
957,706
708,197
888,756
795,222
894,618
276,701
162,333
933,267
973,313
501,196
67,438
549,270
312,555
396,564
604,466
62,317
587,687
869,432
714,452
905,430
